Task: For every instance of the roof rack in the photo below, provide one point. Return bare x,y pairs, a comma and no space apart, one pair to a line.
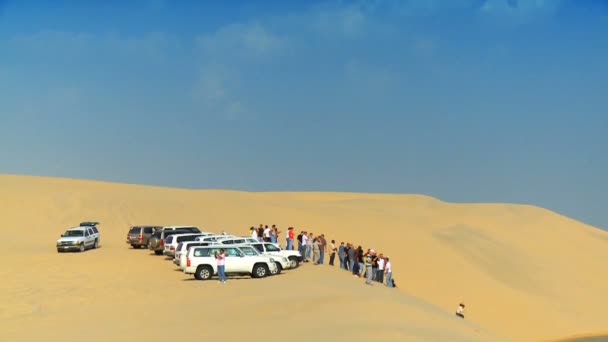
88,224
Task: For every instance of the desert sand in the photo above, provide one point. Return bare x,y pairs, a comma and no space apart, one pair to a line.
525,273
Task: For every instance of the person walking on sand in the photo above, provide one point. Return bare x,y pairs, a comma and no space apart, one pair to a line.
221,262
368,259
388,272
332,256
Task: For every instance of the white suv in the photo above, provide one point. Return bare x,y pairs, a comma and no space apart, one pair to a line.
202,264
237,240
181,252
270,248
171,242
213,238
78,239
282,262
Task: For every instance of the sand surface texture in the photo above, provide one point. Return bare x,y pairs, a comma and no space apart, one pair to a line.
525,273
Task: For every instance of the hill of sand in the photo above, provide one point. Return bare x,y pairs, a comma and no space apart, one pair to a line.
525,273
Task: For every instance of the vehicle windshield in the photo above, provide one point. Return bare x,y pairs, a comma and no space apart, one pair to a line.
73,233
272,248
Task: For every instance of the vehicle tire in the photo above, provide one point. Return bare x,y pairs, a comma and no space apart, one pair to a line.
82,248
203,273
96,245
158,252
260,271
294,262
134,246
59,250
279,269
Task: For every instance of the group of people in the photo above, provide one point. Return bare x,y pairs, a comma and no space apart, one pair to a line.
265,233
374,266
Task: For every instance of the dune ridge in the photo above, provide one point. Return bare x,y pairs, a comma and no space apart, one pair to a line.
525,273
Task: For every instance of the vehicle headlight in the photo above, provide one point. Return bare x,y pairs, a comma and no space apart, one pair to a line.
285,260
272,260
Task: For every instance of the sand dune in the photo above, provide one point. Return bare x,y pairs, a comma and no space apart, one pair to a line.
525,273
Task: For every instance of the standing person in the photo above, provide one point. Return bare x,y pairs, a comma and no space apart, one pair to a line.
261,233
368,259
273,234
322,248
333,249
388,272
300,242
360,261
352,258
289,239
221,262
309,242
374,266
254,233
341,254
266,234
380,271
316,245
304,247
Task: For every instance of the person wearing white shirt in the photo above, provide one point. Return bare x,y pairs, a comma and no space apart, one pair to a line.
388,271
304,243
266,234
254,234
380,272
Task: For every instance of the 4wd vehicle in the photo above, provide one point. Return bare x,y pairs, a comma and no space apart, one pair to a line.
139,236
213,238
181,252
202,264
237,240
282,262
270,248
78,239
157,241
172,241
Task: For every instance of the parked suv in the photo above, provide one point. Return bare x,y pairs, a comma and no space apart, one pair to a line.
157,241
282,262
139,236
237,240
181,252
172,241
270,248
78,239
202,264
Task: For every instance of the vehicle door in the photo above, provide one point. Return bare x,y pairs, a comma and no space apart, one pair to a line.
89,238
259,247
234,261
148,231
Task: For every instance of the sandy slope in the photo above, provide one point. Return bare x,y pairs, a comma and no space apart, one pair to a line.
525,273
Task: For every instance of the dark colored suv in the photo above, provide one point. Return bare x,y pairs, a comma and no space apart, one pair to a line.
157,241
139,236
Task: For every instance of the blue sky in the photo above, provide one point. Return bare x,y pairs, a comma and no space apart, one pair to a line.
465,100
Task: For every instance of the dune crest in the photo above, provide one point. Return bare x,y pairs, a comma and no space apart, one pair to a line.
525,273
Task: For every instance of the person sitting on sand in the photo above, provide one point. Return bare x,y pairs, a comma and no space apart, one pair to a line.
460,310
